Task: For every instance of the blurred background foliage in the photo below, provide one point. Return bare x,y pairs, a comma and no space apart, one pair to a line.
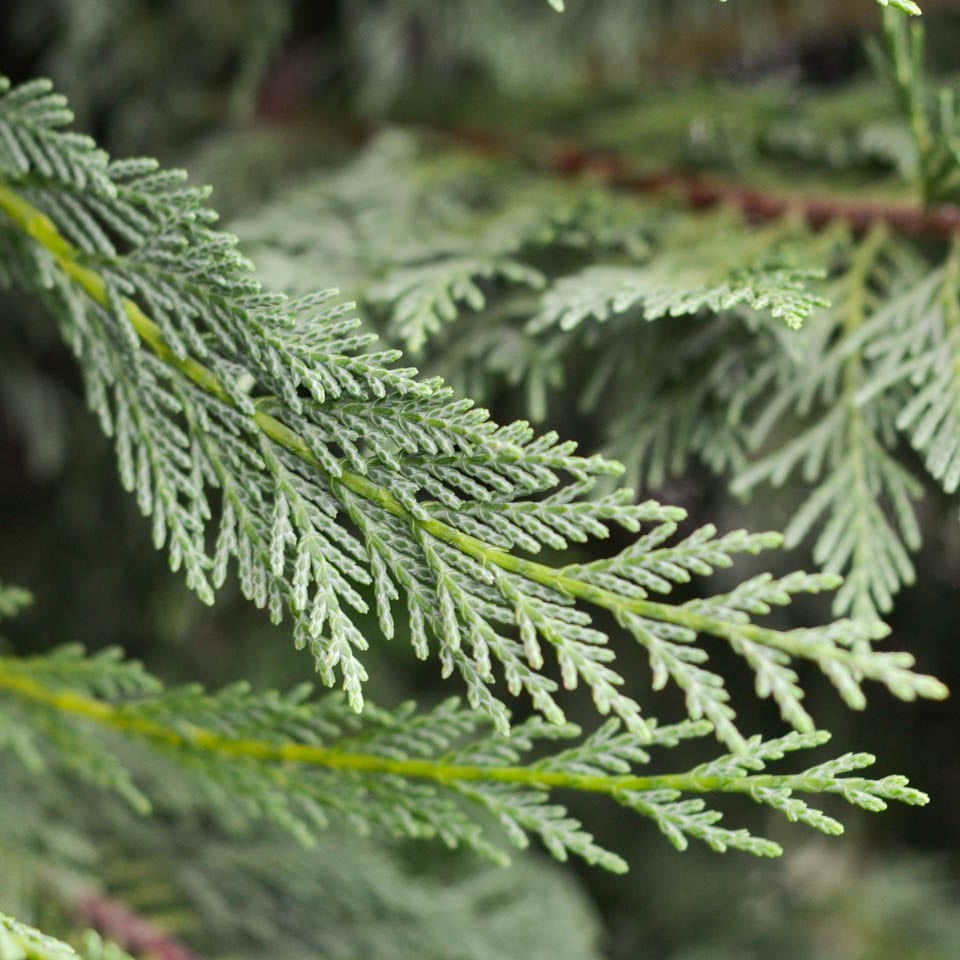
259,97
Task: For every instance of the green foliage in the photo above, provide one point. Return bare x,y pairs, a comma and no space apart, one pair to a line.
272,434
338,470
847,453
12,600
932,120
104,51
345,897
907,6
463,911
824,409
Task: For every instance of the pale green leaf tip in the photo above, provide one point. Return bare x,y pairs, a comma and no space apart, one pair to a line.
930,688
907,6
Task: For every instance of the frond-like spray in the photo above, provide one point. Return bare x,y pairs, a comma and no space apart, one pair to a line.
338,471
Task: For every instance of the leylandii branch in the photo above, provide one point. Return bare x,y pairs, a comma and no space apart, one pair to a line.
631,610
126,720
442,772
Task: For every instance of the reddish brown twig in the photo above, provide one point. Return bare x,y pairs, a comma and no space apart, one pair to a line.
755,204
127,928
612,169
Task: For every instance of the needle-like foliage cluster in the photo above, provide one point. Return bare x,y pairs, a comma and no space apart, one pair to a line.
514,277
271,437
337,471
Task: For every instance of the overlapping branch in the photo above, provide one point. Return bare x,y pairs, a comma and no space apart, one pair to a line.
299,762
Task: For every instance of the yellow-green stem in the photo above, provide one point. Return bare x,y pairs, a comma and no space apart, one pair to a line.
125,720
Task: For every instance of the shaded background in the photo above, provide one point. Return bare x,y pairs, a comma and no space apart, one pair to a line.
252,97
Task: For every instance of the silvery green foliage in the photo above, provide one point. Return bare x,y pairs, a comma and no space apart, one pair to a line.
878,365
824,408
340,474
692,361
460,232
913,342
844,448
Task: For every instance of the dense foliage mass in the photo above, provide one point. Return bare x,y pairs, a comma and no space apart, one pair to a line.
277,446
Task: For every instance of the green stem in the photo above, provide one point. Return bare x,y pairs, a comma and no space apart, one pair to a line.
125,720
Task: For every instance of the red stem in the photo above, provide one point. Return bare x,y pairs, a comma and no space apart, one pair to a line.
128,929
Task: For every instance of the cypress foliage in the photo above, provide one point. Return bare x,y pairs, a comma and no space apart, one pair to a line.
275,443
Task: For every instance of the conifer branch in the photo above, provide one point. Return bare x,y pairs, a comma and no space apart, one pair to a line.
442,502
718,388
843,447
278,749
274,435
914,344
933,122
